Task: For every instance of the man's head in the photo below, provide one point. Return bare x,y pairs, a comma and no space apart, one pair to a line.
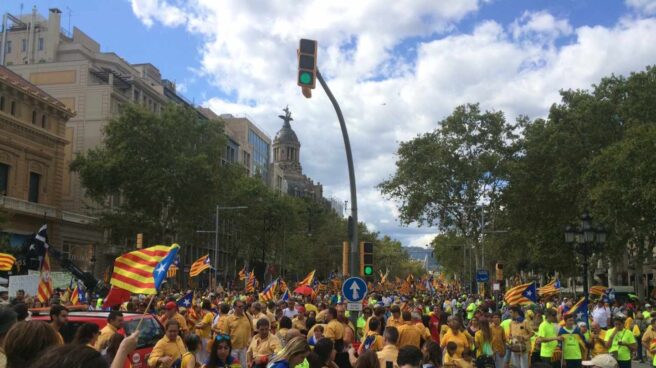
171,309
396,311
172,329
618,322
239,307
407,316
551,315
332,313
115,318
20,295
374,324
451,347
391,335
290,304
569,320
262,327
594,326
256,308
409,357
59,315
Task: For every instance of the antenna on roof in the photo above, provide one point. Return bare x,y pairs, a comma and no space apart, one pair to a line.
70,14
21,11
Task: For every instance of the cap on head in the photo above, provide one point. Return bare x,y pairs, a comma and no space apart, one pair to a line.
170,306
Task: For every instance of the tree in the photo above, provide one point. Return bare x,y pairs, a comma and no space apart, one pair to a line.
158,174
446,177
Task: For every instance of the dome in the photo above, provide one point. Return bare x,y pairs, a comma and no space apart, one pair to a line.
286,135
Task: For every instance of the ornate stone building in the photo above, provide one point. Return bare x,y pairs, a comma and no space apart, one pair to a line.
287,162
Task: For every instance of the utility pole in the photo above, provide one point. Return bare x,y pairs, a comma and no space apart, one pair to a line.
308,74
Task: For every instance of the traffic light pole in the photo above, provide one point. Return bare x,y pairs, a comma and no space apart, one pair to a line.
354,261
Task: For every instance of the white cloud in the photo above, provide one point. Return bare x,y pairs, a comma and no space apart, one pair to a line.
647,7
250,49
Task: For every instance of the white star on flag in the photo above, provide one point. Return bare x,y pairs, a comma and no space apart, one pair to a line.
186,302
160,269
529,293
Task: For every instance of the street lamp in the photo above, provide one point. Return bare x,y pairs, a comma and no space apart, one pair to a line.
586,240
216,234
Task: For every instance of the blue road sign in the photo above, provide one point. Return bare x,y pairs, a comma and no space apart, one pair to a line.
354,289
482,276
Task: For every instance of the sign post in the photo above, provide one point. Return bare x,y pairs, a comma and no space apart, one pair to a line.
354,290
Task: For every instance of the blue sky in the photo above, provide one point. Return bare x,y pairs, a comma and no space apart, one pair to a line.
397,68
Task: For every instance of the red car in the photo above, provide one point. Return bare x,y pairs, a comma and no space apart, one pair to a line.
151,330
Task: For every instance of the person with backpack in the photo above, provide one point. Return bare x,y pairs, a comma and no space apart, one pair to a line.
373,341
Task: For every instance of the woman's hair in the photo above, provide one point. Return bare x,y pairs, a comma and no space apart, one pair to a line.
86,333
433,353
26,341
368,359
322,353
214,361
170,323
484,327
285,322
192,341
113,344
70,356
296,346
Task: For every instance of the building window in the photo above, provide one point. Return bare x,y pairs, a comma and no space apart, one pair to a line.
41,44
43,121
34,117
2,103
4,179
8,47
33,195
23,45
13,108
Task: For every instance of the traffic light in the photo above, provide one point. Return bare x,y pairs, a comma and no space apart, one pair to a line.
307,63
366,259
499,271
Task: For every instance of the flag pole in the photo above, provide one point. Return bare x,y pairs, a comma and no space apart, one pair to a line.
145,312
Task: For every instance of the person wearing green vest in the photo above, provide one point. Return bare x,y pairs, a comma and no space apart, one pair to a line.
620,343
573,342
471,309
548,336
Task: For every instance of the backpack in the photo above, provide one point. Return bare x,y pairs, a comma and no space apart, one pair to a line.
368,342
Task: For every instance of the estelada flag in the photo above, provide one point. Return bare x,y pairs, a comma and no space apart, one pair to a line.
6,261
521,294
201,264
142,271
308,280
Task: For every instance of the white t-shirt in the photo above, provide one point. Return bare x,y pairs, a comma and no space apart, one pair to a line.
601,316
290,313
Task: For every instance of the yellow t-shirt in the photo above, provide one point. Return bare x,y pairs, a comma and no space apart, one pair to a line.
461,340
188,360
207,319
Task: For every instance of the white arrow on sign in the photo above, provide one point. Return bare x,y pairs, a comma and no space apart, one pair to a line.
355,289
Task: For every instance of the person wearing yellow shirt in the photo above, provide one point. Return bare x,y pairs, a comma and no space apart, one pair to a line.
334,330
169,349
204,328
263,345
389,353
521,331
457,335
239,329
395,319
300,322
171,313
257,314
597,338
409,334
220,324
498,340
649,338
373,341
114,323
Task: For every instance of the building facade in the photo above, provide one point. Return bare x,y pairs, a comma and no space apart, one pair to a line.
287,162
32,157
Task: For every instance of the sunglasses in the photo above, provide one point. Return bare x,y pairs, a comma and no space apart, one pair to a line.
222,337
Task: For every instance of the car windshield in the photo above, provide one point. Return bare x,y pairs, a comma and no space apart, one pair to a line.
150,331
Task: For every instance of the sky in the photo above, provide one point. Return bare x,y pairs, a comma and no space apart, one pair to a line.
396,67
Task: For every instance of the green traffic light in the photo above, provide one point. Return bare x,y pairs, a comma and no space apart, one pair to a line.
368,270
305,78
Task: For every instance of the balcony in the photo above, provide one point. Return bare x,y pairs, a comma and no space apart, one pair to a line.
42,210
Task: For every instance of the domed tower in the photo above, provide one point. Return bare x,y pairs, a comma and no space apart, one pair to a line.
287,148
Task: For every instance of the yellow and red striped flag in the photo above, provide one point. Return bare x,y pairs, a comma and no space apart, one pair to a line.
6,261
521,294
44,291
201,264
308,280
75,295
242,274
250,284
550,289
143,270
269,292
598,290
173,270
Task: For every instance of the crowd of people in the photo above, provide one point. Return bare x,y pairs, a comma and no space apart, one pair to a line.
393,331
